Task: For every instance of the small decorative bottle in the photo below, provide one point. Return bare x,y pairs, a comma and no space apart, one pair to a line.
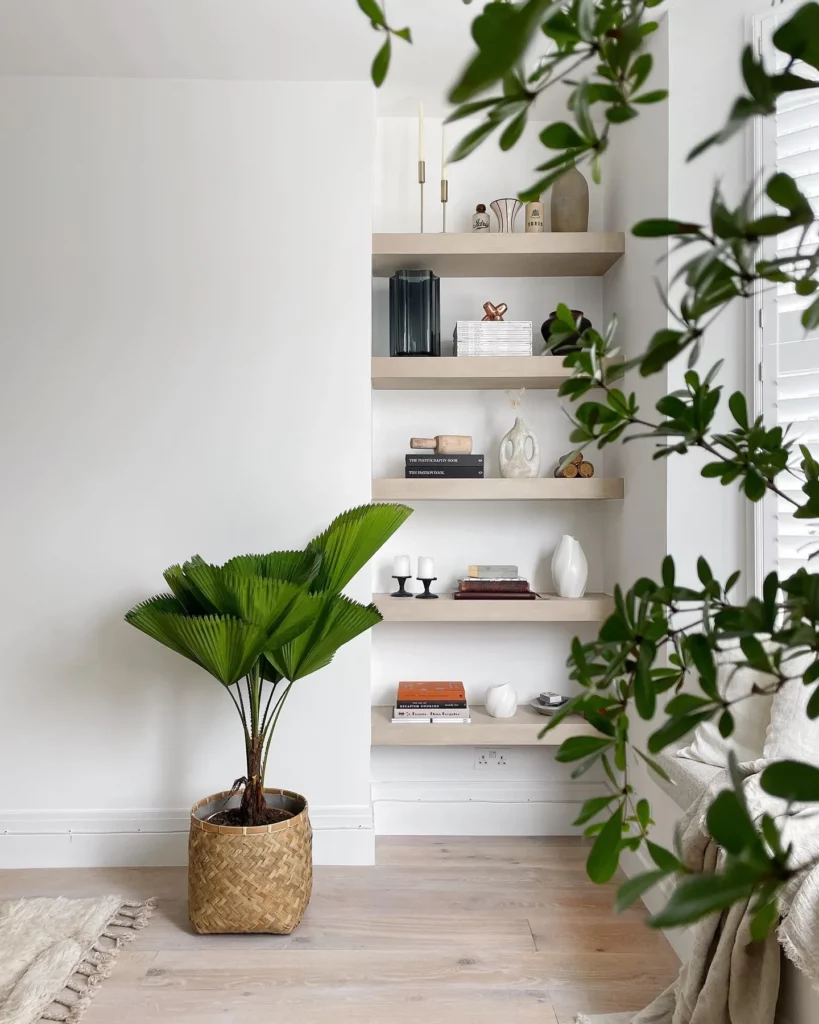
480,218
534,217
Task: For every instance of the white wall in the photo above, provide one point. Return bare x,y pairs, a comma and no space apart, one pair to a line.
705,518
184,314
430,791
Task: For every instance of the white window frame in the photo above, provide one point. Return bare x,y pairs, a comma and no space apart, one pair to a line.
761,372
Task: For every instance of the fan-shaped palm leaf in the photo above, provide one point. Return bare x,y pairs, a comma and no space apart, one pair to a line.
294,566
350,541
194,602
282,609
339,620
146,616
224,646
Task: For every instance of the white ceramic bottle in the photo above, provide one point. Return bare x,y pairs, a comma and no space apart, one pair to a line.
570,570
534,217
501,701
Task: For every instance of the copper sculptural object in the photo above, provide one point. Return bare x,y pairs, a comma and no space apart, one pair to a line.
494,312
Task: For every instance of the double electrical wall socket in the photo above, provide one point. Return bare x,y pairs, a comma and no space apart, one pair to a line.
491,758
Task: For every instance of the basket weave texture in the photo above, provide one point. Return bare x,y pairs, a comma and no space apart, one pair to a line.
253,879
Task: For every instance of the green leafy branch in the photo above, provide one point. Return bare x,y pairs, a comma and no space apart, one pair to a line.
664,643
376,12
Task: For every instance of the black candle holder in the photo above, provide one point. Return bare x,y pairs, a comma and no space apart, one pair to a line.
426,594
401,592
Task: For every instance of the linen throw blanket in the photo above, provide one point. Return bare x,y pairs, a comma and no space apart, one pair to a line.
54,952
729,979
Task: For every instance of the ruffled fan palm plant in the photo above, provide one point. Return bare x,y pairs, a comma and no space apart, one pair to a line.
260,622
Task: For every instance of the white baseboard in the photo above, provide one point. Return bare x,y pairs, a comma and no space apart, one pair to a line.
680,939
431,808
156,838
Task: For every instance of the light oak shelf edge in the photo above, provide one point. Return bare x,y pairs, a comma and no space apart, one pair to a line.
521,730
551,608
514,254
498,489
462,373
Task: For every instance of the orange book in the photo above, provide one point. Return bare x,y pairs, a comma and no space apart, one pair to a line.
432,692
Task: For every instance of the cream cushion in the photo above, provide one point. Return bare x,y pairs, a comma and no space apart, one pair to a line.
791,734
751,716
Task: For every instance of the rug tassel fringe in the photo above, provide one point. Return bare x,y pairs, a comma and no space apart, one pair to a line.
98,962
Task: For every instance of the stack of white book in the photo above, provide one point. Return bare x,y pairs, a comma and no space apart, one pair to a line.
493,338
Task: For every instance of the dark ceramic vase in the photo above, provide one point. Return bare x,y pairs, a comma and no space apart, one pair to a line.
567,346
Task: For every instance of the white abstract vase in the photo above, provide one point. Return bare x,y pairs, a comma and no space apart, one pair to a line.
501,701
570,570
519,453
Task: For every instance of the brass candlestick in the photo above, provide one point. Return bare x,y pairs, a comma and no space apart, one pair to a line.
422,177
444,201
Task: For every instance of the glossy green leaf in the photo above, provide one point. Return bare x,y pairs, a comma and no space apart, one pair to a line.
605,854
561,135
701,895
630,891
792,780
576,747
381,63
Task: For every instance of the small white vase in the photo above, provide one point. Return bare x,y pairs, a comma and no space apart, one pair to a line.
501,701
514,460
570,570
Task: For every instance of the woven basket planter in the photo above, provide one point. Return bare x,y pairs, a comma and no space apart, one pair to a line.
249,879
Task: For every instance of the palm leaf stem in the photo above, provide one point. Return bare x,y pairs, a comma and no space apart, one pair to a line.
264,724
240,709
254,697
240,705
272,727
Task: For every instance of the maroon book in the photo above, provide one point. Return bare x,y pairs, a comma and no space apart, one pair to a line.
495,586
493,595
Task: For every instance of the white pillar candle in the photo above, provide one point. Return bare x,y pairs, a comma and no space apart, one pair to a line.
426,568
401,566
420,131
443,151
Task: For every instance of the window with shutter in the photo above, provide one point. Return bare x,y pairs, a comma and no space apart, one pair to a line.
789,356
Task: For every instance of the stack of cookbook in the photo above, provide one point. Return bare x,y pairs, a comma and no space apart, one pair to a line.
435,703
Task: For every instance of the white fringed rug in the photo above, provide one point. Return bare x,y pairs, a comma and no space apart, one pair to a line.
55,952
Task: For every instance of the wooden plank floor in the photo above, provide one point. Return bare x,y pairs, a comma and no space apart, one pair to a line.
440,931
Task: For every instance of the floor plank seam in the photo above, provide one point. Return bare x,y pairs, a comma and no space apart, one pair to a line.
148,966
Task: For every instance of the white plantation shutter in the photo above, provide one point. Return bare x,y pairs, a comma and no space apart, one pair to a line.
789,367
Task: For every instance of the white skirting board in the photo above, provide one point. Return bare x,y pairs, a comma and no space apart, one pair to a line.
145,838
516,808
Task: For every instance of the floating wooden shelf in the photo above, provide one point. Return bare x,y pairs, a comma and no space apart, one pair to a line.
521,730
478,373
551,254
596,488
591,608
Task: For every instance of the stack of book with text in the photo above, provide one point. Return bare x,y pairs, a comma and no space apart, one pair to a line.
493,583
431,703
443,467
493,338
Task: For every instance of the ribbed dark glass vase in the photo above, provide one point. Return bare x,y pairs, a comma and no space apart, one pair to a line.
415,313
